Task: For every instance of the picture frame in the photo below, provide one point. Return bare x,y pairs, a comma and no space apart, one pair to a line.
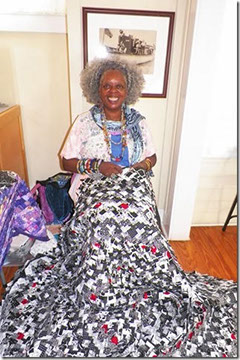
144,37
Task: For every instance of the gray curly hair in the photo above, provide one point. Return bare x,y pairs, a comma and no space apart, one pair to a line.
90,78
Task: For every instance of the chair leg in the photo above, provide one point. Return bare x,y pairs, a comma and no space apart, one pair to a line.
230,216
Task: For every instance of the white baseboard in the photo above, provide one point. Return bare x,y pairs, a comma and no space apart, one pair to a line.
229,224
161,214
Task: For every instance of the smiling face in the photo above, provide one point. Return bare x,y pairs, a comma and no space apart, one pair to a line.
113,92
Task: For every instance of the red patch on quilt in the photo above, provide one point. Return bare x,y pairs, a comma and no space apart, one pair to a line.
49,267
114,340
20,336
191,335
105,328
199,324
153,249
145,295
124,206
178,344
93,297
169,255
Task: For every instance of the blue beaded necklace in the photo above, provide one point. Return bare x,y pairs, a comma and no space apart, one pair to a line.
108,140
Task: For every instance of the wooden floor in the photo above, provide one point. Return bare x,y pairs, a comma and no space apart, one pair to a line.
210,251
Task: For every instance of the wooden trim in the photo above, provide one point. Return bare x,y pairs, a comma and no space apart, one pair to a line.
12,148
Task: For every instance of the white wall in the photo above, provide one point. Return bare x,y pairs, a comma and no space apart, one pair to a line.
208,95
217,185
217,188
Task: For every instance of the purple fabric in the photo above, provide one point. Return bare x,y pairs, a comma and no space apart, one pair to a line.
19,212
45,208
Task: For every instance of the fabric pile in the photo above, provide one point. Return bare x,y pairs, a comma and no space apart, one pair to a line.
19,213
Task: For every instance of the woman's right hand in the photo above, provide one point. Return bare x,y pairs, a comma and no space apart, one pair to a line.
108,168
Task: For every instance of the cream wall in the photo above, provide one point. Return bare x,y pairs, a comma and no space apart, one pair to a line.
34,74
216,191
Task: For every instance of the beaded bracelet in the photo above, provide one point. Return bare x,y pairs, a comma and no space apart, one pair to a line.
88,166
149,164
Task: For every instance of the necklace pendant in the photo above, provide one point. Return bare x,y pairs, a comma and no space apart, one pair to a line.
108,140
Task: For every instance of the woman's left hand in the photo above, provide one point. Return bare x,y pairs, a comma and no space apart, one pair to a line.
144,163
140,165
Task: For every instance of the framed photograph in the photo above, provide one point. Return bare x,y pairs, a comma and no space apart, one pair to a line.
144,37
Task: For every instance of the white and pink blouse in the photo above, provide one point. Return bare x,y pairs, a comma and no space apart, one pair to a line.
86,140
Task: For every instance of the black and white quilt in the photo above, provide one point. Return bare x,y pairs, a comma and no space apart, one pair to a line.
113,287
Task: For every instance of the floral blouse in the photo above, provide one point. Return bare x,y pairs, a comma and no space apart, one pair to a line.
86,140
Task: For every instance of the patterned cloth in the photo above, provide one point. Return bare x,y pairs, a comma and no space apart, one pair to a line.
19,212
113,287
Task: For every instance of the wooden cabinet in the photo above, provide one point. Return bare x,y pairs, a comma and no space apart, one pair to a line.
12,150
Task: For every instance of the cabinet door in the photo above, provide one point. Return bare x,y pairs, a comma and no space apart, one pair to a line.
12,151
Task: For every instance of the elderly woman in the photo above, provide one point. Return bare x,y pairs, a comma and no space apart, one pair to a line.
113,287
111,135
